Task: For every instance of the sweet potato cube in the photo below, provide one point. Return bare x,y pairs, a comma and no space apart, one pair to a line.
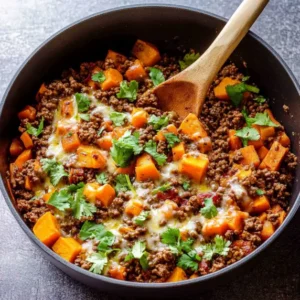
16,147
47,196
271,116
259,143
193,276
282,214
178,274
133,208
116,58
28,184
127,170
90,191
178,151
263,217
147,53
42,90
220,89
267,231
168,209
106,194
266,132
26,139
22,158
105,142
274,157
145,169
262,152
259,205
284,140
67,247
215,226
117,272
28,112
46,229
169,129
234,141
192,127
113,78
118,132
249,156
90,157
235,221
70,141
136,72
139,118
205,144
67,108
194,167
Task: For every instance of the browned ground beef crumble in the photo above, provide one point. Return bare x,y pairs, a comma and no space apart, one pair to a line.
218,117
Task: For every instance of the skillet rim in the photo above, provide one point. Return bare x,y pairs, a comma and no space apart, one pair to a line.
137,285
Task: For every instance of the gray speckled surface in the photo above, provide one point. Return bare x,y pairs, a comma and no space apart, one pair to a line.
24,273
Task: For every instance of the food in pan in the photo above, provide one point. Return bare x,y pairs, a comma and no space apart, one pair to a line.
118,187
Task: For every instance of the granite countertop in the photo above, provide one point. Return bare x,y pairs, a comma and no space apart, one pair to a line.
24,272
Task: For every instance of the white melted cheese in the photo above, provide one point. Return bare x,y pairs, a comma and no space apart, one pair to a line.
167,170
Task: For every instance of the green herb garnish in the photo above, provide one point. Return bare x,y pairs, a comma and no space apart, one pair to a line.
156,76
54,169
83,102
158,122
35,131
128,90
151,148
209,210
188,60
117,118
99,77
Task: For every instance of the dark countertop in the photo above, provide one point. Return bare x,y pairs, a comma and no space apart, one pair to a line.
24,273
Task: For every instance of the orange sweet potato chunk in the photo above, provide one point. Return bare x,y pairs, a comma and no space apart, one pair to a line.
105,142
178,151
113,79
16,147
117,272
139,118
269,112
274,157
262,152
178,274
220,89
133,208
22,158
284,140
46,229
259,205
169,129
26,139
147,53
106,194
116,58
28,112
90,157
145,168
267,231
234,141
70,141
67,247
67,108
136,71
215,226
194,167
249,156
192,127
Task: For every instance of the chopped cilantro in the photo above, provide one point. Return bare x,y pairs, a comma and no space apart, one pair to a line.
99,77
83,102
125,148
138,251
170,236
150,148
117,118
163,188
99,261
158,122
186,185
209,210
172,139
128,90
156,76
236,92
85,117
263,119
220,246
188,59
35,131
123,183
54,169
80,207
260,192
74,187
61,200
102,178
141,218
245,78
187,262
100,131
260,99
247,134
90,230
106,241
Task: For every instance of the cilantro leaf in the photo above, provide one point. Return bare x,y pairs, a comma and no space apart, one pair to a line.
138,252
54,169
123,183
247,134
90,230
102,178
99,261
61,200
249,121
35,131
81,207
259,192
106,241
74,187
99,77
263,119
172,139
186,262
260,99
188,59
163,188
83,102
125,148
156,76
117,118
220,246
158,122
236,92
85,117
141,218
151,148
245,78
144,261
186,185
128,91
209,210
170,236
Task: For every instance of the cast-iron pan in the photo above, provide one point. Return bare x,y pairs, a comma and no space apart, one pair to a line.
167,27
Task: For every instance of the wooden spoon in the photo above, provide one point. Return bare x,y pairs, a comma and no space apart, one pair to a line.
185,92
